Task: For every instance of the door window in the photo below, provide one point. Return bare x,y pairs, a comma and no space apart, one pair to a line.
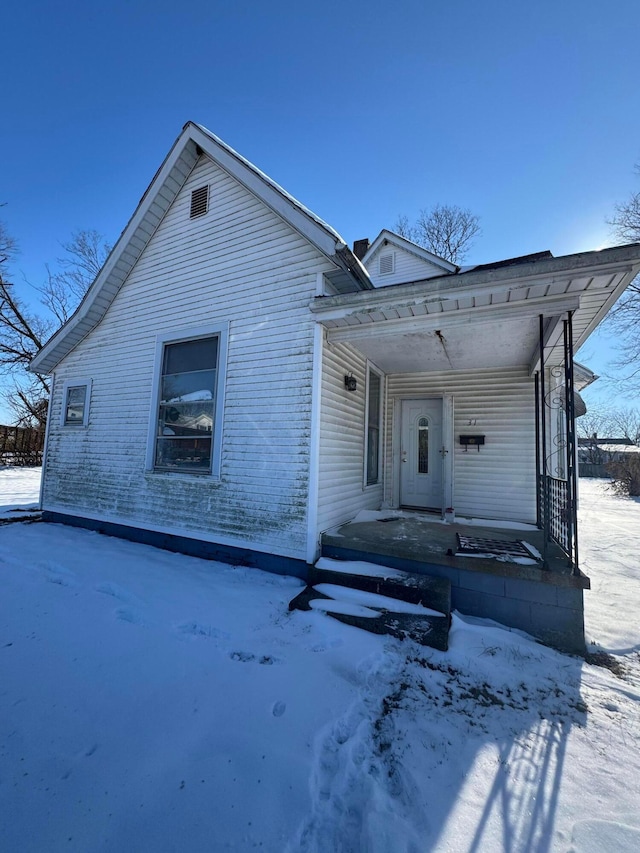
423,446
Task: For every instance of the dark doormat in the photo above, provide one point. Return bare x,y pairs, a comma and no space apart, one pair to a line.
497,547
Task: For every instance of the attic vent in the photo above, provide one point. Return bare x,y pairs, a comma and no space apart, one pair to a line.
386,264
199,201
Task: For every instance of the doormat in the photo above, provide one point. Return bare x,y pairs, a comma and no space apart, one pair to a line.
497,547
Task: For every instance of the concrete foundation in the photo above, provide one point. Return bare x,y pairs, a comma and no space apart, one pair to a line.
545,602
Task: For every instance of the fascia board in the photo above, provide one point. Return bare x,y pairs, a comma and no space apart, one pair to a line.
621,260
461,317
444,297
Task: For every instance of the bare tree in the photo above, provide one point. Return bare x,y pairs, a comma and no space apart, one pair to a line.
446,230
23,331
83,258
626,222
625,474
626,424
602,420
8,248
625,316
591,426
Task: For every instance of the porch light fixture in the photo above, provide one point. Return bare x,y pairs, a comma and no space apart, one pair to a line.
350,382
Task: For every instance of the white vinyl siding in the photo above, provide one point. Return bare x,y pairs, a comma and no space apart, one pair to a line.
406,267
498,481
242,265
342,440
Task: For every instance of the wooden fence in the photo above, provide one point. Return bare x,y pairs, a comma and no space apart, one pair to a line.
21,445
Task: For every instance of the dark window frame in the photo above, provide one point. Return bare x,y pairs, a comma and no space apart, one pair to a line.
373,427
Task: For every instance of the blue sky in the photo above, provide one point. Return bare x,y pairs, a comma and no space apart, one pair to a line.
528,114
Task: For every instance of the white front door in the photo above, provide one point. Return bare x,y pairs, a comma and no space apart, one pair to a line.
421,457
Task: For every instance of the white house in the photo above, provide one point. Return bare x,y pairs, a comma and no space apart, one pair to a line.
237,381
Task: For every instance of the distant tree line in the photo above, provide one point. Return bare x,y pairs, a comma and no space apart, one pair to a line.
602,423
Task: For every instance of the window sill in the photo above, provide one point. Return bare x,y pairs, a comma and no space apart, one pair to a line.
183,477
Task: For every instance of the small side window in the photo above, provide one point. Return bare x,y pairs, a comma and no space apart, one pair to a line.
373,434
75,403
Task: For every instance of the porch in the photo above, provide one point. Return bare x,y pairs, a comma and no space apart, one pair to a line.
543,598
466,401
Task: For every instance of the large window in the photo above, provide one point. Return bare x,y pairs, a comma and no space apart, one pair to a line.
187,402
373,414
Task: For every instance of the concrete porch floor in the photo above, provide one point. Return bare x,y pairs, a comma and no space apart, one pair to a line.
545,602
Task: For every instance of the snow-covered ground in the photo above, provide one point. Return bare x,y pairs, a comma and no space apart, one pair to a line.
19,490
155,702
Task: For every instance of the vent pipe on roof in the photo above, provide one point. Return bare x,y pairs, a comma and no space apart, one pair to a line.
361,247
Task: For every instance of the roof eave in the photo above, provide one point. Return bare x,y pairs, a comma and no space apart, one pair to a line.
623,259
174,171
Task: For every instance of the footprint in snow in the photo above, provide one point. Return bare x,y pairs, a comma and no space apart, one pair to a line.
116,591
128,614
197,629
278,709
323,647
59,575
247,657
244,657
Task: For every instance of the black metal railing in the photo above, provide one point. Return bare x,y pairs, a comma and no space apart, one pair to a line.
556,467
557,514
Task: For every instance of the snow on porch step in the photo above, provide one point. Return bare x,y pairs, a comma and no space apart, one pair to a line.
417,589
376,613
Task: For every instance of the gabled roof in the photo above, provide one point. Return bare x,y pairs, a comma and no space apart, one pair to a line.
393,239
194,141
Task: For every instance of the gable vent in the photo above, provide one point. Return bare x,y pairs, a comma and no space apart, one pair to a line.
386,264
199,201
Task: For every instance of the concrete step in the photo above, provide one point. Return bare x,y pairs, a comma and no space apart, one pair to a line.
380,599
377,613
428,591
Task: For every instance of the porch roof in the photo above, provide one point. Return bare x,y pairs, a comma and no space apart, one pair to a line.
484,317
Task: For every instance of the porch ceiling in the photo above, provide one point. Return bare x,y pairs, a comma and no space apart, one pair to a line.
488,345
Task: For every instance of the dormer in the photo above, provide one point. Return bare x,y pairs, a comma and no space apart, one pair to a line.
391,259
